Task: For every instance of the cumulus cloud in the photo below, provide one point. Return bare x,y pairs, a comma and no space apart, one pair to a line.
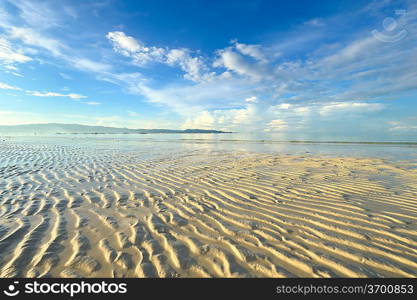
123,43
193,66
129,46
237,63
203,120
238,119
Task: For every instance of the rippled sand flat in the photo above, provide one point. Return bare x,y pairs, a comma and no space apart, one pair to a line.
68,211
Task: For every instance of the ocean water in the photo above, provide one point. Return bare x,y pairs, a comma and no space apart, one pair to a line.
151,145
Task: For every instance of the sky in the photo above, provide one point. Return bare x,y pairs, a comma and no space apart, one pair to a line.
317,67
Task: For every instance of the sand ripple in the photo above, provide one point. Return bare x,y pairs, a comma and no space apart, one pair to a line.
68,211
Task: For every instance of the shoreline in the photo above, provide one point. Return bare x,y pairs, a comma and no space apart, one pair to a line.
116,135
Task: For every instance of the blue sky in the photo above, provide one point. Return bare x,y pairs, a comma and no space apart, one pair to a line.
318,67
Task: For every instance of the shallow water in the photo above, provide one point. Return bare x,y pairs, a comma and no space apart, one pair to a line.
151,145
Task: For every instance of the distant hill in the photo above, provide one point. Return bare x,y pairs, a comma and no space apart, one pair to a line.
56,128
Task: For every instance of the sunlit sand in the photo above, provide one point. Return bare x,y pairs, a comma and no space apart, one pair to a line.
66,211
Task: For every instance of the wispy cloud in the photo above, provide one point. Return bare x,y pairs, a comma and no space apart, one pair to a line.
32,37
92,103
34,30
9,56
88,65
5,86
252,99
53,94
38,14
349,107
65,76
408,125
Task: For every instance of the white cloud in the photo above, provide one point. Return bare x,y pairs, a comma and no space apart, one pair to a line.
8,55
37,14
129,46
241,119
15,74
284,106
33,32
124,44
65,76
252,99
254,51
404,125
246,116
349,107
302,111
276,125
404,128
10,67
193,66
88,65
5,86
53,94
203,120
34,38
92,103
237,63
186,99
357,49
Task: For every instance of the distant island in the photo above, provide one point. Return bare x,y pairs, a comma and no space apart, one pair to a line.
57,128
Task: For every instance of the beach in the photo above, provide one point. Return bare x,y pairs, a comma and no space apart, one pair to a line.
68,210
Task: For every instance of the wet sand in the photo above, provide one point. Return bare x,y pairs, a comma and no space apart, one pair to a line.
69,211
